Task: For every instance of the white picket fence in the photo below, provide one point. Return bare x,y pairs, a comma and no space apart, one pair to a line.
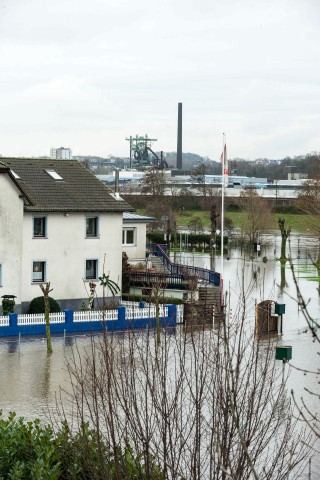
4,320
135,305
180,310
133,312
148,312
89,316
38,318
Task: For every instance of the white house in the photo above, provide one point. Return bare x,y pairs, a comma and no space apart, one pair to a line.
134,233
58,223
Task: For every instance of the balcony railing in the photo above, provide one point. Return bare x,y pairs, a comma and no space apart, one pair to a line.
163,280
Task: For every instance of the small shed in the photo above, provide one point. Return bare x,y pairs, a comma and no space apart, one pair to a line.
269,317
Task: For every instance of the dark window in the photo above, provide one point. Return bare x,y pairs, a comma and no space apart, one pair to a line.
92,227
128,236
38,271
91,269
39,226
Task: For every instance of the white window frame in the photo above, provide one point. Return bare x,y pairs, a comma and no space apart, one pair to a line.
44,219
125,236
16,176
53,174
39,276
96,220
90,279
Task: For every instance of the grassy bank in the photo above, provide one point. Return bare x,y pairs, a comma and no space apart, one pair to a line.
296,222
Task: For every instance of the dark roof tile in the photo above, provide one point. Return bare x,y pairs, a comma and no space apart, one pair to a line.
78,191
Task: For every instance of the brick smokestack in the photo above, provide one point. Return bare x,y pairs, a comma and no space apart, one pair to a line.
179,142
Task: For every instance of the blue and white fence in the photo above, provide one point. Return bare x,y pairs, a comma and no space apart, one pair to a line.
69,321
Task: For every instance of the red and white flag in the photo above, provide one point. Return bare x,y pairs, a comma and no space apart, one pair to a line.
223,154
224,161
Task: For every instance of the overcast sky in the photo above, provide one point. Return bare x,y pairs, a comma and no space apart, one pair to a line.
86,74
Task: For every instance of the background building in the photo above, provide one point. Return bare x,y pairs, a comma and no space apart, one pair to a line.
61,153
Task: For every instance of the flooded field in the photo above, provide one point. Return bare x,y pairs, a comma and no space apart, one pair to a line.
30,380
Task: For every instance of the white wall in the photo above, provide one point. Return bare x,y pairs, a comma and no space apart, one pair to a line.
11,222
65,250
136,252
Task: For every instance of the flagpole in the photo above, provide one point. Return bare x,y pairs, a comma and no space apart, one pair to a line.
222,217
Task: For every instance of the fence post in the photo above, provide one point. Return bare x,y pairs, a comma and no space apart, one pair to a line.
13,323
121,317
171,321
68,318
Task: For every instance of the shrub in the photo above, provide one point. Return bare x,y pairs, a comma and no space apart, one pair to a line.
37,305
156,237
32,450
7,306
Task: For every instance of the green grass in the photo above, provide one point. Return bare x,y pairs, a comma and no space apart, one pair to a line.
296,222
184,219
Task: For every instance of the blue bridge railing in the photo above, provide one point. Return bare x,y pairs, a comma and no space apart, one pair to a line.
203,274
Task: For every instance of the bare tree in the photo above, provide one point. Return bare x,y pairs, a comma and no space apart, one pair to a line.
201,404
309,202
256,215
195,224
285,234
153,182
46,290
198,178
165,218
306,401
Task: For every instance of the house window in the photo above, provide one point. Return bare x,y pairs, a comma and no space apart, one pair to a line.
39,227
53,174
38,272
128,235
92,225
91,269
16,176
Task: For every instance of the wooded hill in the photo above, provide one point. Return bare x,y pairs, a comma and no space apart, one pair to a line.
308,164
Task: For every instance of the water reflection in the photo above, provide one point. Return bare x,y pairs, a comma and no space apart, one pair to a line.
13,346
283,283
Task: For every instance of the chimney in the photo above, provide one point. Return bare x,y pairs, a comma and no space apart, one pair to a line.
116,183
179,142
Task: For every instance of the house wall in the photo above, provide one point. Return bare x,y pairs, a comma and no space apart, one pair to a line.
136,252
11,224
65,251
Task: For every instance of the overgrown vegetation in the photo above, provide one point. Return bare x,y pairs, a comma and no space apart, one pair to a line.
30,450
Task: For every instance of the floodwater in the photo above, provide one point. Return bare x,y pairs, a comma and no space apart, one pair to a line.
30,380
